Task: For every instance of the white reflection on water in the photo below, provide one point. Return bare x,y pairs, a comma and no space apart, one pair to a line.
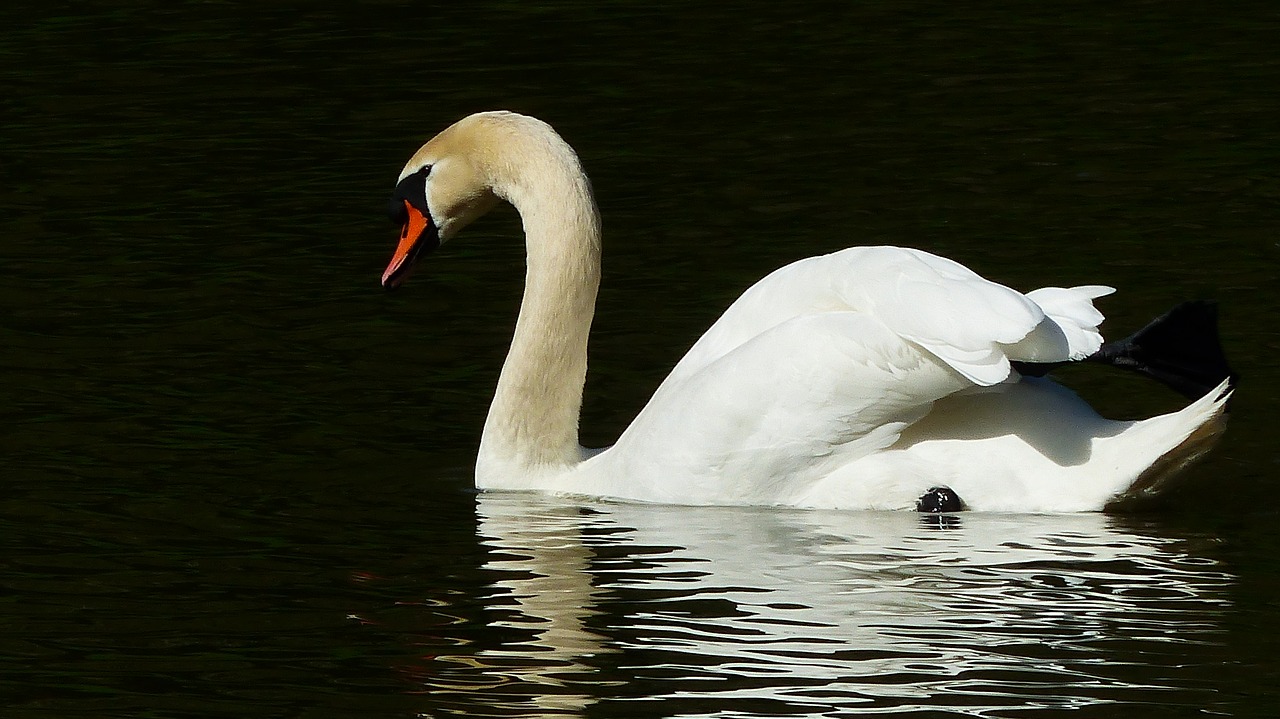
760,612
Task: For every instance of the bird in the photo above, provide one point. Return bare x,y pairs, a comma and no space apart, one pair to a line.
870,378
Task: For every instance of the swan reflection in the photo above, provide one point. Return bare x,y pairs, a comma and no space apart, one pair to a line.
761,612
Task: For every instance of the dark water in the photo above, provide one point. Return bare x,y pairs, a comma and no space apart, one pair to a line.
236,473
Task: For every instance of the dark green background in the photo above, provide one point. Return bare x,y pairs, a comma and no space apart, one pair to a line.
216,427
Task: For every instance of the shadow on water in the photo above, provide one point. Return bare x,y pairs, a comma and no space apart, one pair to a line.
636,610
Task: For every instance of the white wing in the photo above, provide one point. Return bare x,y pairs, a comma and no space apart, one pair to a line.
781,410
972,324
821,363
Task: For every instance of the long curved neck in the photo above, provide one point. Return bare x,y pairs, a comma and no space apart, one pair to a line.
533,422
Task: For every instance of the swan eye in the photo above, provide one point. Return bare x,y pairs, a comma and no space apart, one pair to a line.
412,188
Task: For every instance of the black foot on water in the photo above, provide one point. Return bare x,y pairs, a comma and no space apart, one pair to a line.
938,500
1180,349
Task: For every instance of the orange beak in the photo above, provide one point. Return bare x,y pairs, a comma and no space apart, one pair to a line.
418,235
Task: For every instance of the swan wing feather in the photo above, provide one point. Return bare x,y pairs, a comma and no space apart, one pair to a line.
935,303
1072,310
780,411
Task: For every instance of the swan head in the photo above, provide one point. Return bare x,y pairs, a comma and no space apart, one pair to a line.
443,188
464,171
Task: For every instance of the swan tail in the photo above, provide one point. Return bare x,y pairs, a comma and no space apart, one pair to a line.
1180,349
1185,436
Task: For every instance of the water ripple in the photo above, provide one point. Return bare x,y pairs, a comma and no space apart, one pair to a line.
745,612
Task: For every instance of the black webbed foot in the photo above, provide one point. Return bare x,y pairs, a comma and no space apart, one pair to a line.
938,500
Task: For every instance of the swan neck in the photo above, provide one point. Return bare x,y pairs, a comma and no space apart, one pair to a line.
533,422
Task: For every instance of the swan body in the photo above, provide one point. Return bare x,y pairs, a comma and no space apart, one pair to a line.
854,380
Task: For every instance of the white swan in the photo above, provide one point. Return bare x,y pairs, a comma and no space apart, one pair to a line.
860,379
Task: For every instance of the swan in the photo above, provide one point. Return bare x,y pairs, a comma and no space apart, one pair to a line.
868,378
